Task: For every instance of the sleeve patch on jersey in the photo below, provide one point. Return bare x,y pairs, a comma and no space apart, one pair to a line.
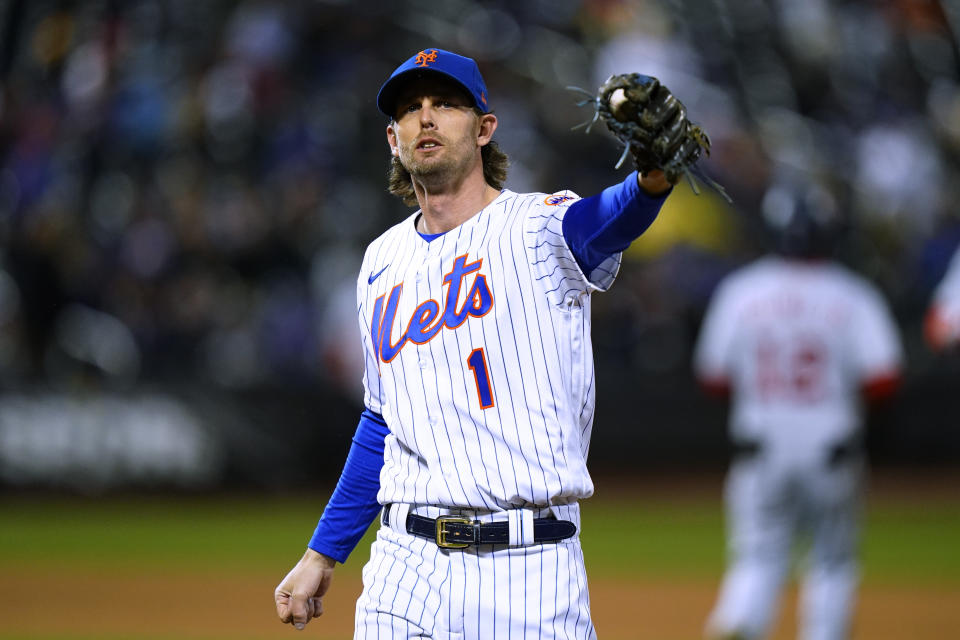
555,199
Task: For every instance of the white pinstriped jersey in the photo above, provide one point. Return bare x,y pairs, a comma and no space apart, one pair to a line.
796,340
478,356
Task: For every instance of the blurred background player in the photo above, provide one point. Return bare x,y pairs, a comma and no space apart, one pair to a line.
800,343
942,323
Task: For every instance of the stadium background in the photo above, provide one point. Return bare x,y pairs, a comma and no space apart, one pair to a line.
185,192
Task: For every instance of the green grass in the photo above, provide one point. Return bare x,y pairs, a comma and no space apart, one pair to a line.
906,539
903,540
651,536
913,540
209,532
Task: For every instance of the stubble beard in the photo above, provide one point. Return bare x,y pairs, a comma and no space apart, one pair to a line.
437,172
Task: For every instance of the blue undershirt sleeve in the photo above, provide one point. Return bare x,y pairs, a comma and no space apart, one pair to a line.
600,226
353,505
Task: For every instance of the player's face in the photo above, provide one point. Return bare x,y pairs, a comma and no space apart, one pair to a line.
436,133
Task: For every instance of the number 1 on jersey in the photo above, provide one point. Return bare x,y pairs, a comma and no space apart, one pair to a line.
481,375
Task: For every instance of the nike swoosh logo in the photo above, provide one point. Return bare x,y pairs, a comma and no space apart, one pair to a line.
374,276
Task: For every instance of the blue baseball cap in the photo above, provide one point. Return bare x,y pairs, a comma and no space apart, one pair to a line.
462,70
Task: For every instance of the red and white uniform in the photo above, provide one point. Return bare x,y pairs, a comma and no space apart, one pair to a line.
796,343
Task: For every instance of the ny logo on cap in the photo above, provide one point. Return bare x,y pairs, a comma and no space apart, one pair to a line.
423,58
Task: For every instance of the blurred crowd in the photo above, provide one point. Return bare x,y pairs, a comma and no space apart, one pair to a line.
186,187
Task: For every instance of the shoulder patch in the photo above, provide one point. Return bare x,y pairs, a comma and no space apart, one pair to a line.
555,199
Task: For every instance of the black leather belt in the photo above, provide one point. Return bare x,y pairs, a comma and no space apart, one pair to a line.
458,532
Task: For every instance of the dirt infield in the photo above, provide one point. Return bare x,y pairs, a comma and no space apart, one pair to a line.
75,605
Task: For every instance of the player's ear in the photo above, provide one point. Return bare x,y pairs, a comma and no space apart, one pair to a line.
488,124
392,140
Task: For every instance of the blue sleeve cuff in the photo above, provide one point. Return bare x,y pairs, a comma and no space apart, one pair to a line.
353,505
605,224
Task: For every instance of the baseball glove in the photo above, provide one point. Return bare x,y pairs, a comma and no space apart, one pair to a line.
653,127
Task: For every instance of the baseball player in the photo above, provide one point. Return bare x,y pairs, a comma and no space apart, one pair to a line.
942,323
479,382
800,343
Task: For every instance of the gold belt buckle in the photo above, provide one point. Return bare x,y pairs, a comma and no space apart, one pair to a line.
442,532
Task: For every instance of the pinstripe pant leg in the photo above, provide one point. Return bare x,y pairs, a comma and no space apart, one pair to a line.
412,589
402,585
538,591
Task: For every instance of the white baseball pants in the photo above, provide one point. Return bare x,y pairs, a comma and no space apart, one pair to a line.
414,589
768,505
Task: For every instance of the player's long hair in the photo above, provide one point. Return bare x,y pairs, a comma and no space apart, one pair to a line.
495,163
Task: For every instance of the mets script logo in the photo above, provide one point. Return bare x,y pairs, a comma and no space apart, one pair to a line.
424,58
557,199
428,318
